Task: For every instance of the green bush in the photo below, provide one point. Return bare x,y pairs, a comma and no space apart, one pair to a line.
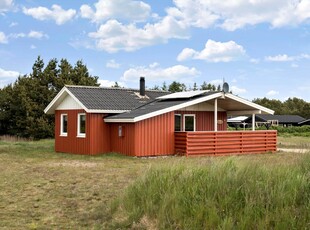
225,195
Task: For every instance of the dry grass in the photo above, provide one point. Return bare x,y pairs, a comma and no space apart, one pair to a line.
40,189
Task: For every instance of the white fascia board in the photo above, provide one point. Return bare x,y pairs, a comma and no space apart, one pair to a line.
249,103
58,97
166,110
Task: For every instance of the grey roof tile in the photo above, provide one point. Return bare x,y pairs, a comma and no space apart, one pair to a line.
98,98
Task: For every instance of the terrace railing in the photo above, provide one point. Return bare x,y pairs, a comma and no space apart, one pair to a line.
225,142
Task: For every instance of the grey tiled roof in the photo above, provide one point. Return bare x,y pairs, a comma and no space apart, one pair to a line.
154,106
98,98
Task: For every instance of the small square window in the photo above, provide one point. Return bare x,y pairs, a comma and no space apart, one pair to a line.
64,125
81,125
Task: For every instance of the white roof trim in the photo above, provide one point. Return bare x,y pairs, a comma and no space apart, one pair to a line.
166,110
249,103
50,109
193,102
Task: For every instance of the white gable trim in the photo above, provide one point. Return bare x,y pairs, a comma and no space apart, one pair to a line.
249,103
61,97
63,93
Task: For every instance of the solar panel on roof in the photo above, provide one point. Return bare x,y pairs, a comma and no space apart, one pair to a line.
187,94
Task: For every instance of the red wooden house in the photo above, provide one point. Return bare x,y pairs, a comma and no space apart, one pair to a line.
93,120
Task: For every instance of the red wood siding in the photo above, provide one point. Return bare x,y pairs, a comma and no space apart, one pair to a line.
96,139
125,144
205,120
150,137
225,142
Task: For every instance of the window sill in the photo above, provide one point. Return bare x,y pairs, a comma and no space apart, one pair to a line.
63,135
81,136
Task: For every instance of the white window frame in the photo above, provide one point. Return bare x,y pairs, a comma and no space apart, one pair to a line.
63,134
79,134
179,115
189,115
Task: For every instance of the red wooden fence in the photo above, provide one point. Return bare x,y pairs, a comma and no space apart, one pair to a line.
225,142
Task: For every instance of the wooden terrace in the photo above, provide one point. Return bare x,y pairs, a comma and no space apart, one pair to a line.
225,142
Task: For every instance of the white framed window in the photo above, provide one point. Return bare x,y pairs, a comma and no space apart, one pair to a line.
64,125
81,125
177,122
189,122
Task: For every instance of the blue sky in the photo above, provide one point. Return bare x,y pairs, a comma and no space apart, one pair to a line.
260,47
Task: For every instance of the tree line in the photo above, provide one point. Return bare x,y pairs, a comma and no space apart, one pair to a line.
22,103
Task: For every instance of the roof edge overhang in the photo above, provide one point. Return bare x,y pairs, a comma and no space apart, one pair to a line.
257,109
166,110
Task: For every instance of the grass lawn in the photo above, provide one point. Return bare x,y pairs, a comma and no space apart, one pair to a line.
41,189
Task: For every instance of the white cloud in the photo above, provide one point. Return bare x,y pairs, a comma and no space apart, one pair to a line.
59,15
154,65
113,36
173,73
279,58
232,15
37,34
116,9
8,73
5,5
214,52
33,47
254,60
7,77
13,24
217,82
112,64
3,38
272,93
31,34
108,83
237,90
286,58
294,65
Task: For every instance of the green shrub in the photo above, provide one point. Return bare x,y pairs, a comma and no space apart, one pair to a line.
223,196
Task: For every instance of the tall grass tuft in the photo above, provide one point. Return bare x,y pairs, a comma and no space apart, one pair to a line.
225,195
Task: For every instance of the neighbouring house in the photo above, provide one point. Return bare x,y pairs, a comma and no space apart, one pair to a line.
304,122
93,120
282,120
237,122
